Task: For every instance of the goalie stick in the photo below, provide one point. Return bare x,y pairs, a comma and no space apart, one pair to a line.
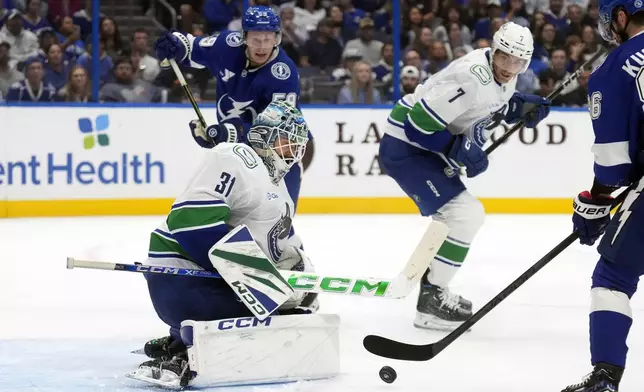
555,93
393,349
398,287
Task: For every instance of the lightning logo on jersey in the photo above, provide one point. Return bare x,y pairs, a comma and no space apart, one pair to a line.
625,210
228,108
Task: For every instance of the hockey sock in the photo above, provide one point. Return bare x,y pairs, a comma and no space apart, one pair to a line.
610,322
448,260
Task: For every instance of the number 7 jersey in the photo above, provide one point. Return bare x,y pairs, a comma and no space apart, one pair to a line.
231,187
462,98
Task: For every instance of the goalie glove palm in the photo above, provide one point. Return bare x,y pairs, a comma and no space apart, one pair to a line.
591,217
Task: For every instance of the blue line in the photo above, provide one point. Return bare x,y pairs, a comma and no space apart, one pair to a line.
214,106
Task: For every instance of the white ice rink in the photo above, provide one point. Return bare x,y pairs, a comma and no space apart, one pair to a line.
72,330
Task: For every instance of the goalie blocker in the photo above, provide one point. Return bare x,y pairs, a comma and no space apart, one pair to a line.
247,351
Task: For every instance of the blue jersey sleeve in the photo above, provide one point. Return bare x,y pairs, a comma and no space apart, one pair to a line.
210,51
616,112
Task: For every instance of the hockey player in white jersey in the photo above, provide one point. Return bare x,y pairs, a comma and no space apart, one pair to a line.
237,184
437,132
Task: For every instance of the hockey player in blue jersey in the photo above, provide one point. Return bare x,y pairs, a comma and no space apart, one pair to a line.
615,105
251,71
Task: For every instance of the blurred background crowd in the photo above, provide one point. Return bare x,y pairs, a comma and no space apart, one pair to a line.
343,48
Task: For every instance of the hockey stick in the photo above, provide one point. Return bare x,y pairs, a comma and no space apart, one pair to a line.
186,88
388,348
550,96
398,287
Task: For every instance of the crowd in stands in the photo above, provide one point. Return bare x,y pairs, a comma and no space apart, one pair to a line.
343,48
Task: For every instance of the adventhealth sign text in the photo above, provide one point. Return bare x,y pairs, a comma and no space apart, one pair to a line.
124,168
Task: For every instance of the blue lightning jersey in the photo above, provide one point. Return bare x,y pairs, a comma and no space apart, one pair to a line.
243,92
616,99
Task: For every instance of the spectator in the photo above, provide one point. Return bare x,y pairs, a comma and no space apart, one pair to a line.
365,43
24,43
349,58
547,81
32,19
147,65
385,67
46,38
8,74
56,68
360,90
219,13
579,96
495,25
453,16
516,12
127,88
339,30
321,50
455,40
555,14
32,88
458,53
111,39
60,8
575,26
558,66
83,19
21,5
105,63
423,43
483,28
78,87
308,14
482,43
545,42
70,38
592,15
413,58
352,17
536,23
409,79
412,26
293,37
437,57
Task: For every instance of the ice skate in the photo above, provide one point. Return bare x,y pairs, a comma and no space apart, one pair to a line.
604,378
439,309
173,373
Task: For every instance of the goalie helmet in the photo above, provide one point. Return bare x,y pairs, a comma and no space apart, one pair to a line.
279,135
514,40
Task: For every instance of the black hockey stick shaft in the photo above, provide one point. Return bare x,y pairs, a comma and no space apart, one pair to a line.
554,94
388,348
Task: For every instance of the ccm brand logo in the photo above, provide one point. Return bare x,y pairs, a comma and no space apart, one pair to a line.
244,322
248,298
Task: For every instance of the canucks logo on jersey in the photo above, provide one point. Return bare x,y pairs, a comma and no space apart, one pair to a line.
278,232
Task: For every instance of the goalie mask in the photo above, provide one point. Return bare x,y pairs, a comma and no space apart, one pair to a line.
279,135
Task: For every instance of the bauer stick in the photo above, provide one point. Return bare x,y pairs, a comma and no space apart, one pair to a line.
186,88
398,287
550,96
388,348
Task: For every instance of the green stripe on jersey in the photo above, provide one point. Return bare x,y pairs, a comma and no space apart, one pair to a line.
423,121
162,244
399,113
193,218
453,252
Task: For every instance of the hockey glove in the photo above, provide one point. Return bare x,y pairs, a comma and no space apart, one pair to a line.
172,45
294,259
532,108
466,153
213,134
591,217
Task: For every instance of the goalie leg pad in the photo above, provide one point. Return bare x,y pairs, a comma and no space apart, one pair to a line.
247,351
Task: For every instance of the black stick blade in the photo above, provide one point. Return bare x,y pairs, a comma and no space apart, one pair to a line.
388,348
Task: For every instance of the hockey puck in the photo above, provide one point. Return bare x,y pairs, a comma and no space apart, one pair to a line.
387,374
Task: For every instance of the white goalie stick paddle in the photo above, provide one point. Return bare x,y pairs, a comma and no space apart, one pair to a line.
398,287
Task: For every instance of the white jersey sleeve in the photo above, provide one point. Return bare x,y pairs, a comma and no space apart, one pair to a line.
443,99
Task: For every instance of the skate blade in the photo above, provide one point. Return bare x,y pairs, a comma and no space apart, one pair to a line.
427,321
139,351
159,383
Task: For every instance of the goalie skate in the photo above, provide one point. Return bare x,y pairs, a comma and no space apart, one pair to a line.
172,374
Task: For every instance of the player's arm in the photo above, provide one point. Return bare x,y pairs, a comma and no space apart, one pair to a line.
427,121
198,218
195,52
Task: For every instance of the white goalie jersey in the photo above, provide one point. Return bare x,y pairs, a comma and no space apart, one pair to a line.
462,98
232,187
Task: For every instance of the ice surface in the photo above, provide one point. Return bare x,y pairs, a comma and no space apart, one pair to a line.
72,330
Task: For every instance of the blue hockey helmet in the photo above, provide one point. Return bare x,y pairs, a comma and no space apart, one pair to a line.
261,18
606,10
